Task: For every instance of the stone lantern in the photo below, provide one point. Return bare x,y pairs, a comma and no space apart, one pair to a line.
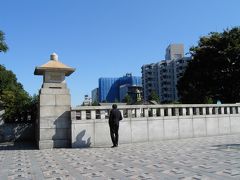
54,121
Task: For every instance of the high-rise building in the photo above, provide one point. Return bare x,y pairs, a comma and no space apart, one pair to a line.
174,51
109,88
162,77
95,95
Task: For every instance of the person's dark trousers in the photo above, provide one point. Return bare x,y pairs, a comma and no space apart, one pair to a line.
114,134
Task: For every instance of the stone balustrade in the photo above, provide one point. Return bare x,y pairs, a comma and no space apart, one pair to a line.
154,122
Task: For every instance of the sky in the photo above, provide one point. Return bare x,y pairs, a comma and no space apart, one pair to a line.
103,38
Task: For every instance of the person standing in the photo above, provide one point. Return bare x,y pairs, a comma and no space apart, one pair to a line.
114,118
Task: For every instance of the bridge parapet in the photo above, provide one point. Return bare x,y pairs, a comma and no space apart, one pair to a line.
143,123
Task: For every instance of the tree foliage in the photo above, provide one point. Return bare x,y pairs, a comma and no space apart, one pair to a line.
3,45
154,97
214,72
128,99
16,102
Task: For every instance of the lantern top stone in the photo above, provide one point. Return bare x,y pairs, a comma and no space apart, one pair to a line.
54,65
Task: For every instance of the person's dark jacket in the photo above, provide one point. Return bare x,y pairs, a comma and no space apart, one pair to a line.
114,117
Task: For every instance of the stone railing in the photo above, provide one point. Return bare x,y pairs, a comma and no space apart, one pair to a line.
154,122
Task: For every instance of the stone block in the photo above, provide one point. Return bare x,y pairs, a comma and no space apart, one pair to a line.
47,111
102,133
45,144
199,127
54,134
52,122
62,112
125,132
82,135
235,124
47,100
54,85
155,129
63,100
55,111
171,130
139,130
212,126
54,91
185,127
49,144
224,124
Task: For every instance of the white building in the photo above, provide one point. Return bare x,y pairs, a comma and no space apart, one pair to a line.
87,101
162,77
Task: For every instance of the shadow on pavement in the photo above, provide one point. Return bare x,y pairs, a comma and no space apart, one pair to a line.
226,146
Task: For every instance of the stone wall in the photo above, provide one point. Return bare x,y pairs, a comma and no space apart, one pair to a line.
54,116
17,132
144,123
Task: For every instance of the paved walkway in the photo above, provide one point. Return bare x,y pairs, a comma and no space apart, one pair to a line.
199,158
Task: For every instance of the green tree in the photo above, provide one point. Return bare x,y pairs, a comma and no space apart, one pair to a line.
3,45
128,99
14,99
213,74
95,103
154,97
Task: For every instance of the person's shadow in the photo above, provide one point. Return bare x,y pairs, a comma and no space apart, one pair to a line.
80,142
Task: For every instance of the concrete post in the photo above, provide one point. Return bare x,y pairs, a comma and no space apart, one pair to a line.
162,112
102,114
190,111
83,115
93,114
54,124
145,112
184,111
222,110
154,112
138,112
210,110
204,111
169,111
176,111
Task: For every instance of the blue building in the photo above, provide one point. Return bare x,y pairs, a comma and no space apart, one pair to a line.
109,88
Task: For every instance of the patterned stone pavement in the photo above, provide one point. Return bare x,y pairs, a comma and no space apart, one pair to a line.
198,158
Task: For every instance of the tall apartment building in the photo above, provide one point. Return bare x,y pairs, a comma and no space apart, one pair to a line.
162,77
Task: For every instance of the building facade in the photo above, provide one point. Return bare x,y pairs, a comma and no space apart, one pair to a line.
134,92
109,88
162,77
95,95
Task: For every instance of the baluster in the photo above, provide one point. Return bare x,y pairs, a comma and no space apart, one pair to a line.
102,114
129,112
73,115
83,115
228,110
190,111
138,112
210,110
176,111
154,112
93,114
162,112
204,111
145,111
184,111
169,110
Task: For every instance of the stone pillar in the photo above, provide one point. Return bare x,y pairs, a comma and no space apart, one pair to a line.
54,124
